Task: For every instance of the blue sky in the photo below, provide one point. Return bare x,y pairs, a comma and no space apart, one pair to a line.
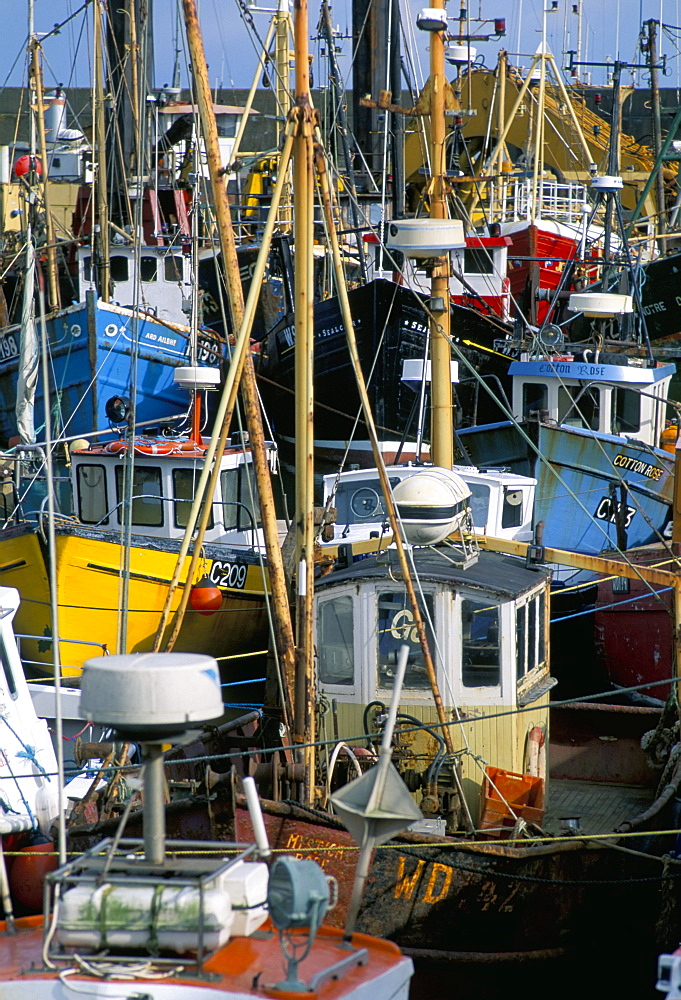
609,28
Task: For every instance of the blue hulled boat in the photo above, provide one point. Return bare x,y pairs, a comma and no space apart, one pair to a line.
98,350
588,428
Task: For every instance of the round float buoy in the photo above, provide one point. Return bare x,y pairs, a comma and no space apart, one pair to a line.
24,165
431,504
27,875
205,597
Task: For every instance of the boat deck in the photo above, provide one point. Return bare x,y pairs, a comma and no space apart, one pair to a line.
599,807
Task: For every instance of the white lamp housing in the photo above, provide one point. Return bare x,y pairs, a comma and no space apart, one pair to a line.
199,377
432,19
601,305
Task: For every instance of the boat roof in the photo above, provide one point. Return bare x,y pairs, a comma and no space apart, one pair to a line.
506,577
591,371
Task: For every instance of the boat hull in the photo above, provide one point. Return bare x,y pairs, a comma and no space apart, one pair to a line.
391,326
94,348
89,566
579,496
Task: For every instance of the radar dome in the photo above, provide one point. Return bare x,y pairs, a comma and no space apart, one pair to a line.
151,696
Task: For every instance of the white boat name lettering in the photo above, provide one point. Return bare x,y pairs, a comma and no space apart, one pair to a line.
638,467
159,339
610,510
228,574
656,307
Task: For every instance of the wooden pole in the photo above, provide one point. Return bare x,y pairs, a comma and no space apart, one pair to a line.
103,263
303,186
275,564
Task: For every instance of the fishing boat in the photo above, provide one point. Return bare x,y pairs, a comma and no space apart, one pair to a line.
488,874
144,485
116,316
144,912
588,425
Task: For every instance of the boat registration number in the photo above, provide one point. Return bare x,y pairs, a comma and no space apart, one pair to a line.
609,510
230,575
8,347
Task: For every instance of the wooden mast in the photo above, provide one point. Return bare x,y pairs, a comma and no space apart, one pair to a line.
284,631
442,422
303,229
103,262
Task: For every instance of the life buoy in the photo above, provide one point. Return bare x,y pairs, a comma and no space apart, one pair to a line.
155,448
148,448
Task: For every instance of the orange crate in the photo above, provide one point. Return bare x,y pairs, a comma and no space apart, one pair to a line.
523,793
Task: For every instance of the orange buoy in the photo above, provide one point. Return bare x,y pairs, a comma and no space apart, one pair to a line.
27,875
205,597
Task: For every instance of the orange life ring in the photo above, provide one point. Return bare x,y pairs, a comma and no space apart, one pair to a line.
156,448
152,448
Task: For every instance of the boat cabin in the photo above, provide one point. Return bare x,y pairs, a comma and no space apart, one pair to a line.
501,503
612,394
166,473
164,287
478,272
487,627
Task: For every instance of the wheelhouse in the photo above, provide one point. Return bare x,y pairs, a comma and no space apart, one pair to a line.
626,399
165,478
487,628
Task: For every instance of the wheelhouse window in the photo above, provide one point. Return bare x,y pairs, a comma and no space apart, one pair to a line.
357,503
93,501
579,407
530,630
395,628
335,632
184,491
119,268
240,506
147,503
479,503
512,509
626,411
535,398
477,261
148,268
172,267
480,666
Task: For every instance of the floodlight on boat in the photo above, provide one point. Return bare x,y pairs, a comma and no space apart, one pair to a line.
297,897
431,504
607,184
426,237
413,372
601,305
432,19
198,377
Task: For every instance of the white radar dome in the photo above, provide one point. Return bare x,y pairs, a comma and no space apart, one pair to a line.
431,504
151,695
